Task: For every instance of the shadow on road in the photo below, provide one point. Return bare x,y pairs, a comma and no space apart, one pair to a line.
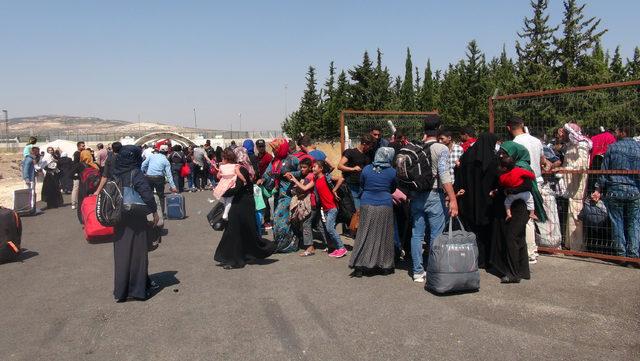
24,255
163,280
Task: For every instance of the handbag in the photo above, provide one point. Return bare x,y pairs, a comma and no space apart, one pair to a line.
185,170
593,214
355,221
132,202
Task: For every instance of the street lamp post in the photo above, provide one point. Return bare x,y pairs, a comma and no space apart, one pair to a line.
6,127
195,121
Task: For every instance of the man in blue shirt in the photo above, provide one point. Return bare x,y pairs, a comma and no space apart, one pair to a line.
158,169
621,192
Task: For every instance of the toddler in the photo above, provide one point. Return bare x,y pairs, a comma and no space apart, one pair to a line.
513,177
228,174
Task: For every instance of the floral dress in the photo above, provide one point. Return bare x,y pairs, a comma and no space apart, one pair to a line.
284,238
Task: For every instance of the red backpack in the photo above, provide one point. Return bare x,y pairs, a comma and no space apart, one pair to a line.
90,178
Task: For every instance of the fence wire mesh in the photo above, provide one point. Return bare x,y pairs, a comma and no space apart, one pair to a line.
591,187
354,124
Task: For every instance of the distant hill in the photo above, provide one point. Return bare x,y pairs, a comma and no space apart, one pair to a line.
59,123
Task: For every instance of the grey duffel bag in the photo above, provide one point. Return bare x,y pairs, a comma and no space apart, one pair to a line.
453,262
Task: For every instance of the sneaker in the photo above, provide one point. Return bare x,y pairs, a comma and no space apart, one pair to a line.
268,225
338,253
420,277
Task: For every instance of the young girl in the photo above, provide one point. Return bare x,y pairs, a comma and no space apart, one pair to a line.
513,177
228,173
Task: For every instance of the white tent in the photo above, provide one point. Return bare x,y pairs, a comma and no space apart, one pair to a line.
65,146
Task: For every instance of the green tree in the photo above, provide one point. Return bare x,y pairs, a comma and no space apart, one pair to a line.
380,84
407,95
633,65
333,105
427,94
474,86
452,94
617,68
593,69
502,74
307,119
534,56
578,37
362,76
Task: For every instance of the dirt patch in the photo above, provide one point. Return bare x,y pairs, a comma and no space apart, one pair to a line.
11,178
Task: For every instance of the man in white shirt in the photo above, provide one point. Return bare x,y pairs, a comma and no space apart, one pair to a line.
515,126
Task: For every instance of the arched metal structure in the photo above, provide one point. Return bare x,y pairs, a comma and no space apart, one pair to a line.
164,135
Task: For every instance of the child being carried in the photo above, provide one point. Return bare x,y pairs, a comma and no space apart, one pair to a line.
228,174
513,177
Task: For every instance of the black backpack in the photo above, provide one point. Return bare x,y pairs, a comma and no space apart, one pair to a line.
10,235
109,205
413,166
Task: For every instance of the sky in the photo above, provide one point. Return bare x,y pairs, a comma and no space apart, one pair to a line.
238,61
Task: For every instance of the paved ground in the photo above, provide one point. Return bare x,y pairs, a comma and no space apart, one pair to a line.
57,305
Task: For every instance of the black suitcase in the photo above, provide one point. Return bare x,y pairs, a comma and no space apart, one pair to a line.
215,216
24,202
10,235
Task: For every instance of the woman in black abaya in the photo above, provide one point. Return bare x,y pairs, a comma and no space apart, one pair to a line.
130,245
476,177
240,241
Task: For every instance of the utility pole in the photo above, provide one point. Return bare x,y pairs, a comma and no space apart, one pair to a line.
195,120
240,124
6,127
285,100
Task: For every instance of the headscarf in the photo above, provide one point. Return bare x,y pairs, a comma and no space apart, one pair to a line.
484,150
248,145
280,148
87,158
522,159
243,159
383,158
576,136
128,159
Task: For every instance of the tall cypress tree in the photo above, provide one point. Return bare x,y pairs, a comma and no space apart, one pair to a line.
617,68
381,82
307,119
337,101
407,94
593,69
475,86
362,76
633,65
452,94
534,56
579,37
330,83
427,94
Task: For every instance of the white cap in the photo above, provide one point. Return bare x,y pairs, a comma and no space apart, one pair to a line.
164,148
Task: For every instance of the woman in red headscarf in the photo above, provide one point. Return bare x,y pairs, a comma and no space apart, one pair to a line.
274,179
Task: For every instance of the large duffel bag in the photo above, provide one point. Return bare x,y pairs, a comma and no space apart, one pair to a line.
175,206
214,217
93,230
453,262
10,235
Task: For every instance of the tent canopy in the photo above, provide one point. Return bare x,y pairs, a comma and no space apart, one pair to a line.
65,146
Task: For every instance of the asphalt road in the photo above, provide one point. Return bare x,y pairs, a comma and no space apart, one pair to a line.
56,304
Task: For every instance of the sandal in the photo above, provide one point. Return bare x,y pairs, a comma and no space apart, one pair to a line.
306,254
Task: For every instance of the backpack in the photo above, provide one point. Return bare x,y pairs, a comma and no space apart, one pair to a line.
90,178
10,235
413,166
109,204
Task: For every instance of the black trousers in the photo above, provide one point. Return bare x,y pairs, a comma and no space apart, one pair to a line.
267,210
157,184
131,259
178,180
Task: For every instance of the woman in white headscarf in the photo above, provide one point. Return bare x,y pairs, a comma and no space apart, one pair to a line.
576,157
51,184
374,249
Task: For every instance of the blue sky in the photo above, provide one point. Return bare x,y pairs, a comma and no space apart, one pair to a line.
160,59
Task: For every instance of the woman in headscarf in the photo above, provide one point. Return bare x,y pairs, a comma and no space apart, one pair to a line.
240,241
274,179
65,165
250,146
509,255
87,185
476,177
373,249
51,184
576,157
130,256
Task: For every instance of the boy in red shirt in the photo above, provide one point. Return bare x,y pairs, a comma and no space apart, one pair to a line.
513,177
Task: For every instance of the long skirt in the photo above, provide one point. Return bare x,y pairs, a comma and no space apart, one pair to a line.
374,244
131,260
51,191
509,255
286,240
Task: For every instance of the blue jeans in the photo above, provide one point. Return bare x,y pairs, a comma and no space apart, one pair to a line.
259,221
331,215
190,177
624,213
425,207
355,193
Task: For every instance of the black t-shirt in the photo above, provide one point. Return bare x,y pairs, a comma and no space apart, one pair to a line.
354,158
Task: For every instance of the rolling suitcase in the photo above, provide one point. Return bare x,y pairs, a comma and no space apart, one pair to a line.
215,216
93,230
175,206
10,235
24,202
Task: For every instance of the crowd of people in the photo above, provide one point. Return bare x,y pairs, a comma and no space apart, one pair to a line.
510,193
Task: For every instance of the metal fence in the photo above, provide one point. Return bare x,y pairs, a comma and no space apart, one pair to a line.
606,224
